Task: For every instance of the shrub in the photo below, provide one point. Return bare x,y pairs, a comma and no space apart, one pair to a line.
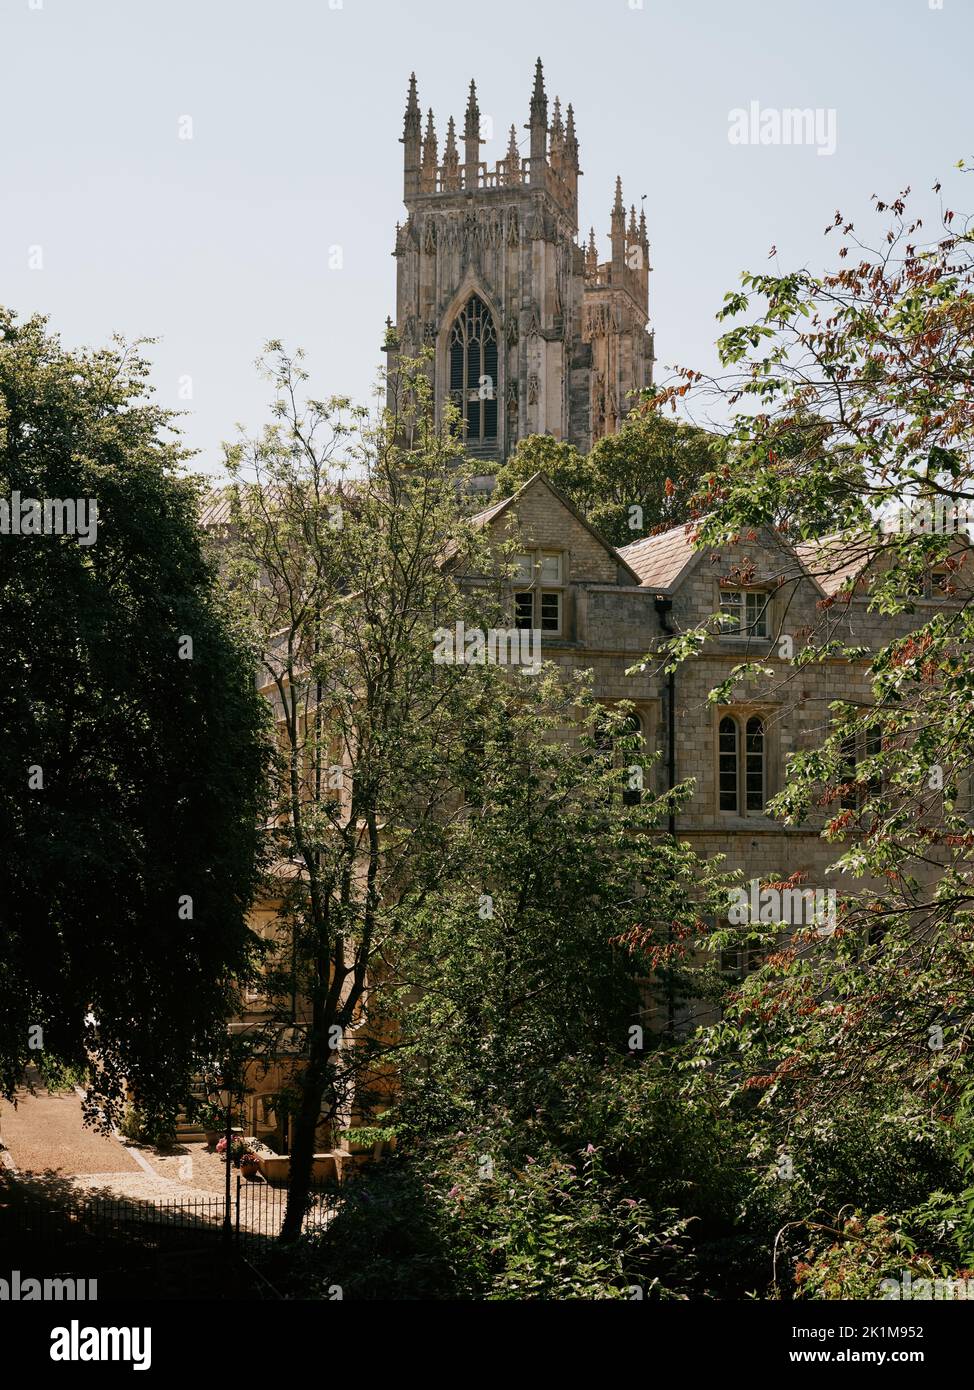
137,1127
868,1251
461,1218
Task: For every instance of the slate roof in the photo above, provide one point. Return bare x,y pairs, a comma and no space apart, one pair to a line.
835,560
660,560
486,516
217,510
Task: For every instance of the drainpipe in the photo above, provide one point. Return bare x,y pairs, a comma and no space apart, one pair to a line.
664,611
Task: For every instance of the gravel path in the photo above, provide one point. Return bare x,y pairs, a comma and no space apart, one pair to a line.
46,1138
45,1133
142,1187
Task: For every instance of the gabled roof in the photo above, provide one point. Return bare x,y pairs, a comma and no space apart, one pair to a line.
216,510
487,517
663,561
844,557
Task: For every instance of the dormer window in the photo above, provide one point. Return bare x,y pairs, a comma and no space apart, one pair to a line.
941,582
747,610
539,591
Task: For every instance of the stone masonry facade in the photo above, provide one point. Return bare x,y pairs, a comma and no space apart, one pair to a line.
614,604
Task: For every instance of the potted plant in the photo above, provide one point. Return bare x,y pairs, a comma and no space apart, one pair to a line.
212,1120
250,1165
238,1147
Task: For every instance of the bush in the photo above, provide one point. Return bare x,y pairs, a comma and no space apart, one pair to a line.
868,1251
457,1218
137,1127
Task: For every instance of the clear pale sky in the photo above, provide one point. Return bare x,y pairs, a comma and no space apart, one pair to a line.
216,243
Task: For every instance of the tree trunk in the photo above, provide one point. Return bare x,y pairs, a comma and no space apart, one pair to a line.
303,1146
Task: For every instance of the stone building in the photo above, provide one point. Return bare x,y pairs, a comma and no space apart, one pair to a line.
601,609
530,332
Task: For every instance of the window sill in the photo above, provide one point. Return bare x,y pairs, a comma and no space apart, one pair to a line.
755,821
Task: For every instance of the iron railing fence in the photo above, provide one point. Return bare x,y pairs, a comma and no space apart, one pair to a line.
256,1214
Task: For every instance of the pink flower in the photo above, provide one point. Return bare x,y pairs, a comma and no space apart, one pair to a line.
590,1148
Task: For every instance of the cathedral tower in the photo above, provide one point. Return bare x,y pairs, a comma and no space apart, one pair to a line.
530,334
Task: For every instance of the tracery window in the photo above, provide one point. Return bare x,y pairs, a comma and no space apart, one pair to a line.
473,371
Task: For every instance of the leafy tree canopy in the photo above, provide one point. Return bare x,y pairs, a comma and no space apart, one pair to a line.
632,483
131,783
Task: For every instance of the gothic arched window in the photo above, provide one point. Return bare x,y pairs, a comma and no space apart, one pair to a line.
742,782
473,371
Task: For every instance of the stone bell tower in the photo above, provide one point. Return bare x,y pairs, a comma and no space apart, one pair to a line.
529,333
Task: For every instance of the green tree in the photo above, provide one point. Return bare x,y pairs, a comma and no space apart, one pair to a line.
343,554
632,483
563,891
643,478
405,785
561,464
851,398
131,788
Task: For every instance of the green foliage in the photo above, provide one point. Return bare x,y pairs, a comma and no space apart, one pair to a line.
646,1173
816,1138
141,1128
874,1257
882,425
561,464
209,1115
153,766
57,1076
642,479
456,786
665,1135
342,587
849,1052
556,891
367,1136
474,1216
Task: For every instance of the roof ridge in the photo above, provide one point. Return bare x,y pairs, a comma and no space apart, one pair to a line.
657,536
